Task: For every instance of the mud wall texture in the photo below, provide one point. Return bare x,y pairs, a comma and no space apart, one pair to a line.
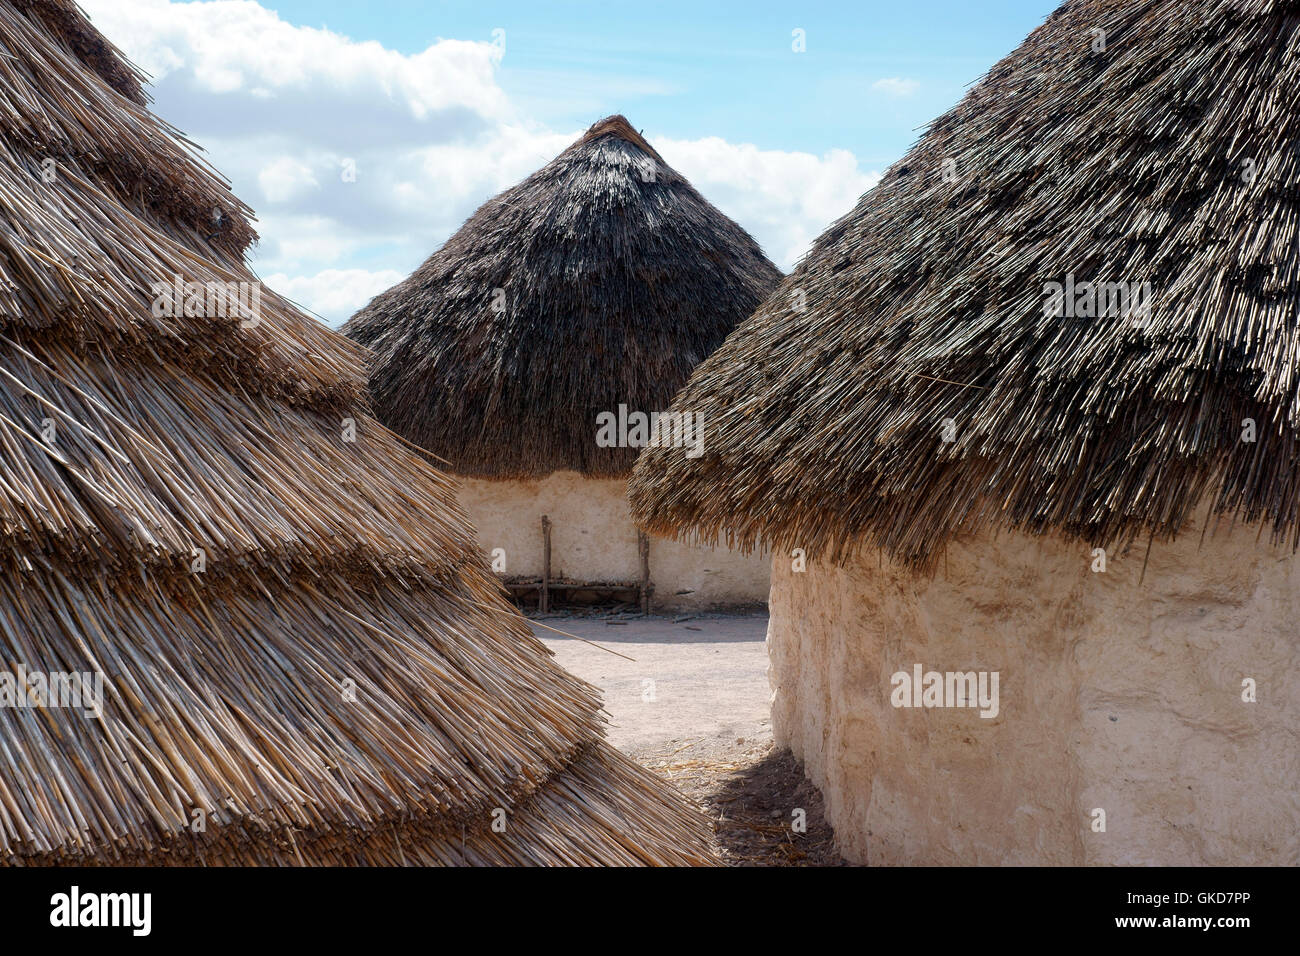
593,539
1115,693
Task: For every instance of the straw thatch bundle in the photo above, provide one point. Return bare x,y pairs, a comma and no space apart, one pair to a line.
602,279
1124,141
304,657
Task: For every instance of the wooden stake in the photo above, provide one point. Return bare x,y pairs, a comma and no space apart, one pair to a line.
544,599
643,548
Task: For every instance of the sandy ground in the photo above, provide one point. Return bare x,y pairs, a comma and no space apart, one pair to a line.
691,693
689,698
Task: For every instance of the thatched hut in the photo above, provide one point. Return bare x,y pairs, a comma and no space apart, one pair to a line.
986,471
239,621
527,351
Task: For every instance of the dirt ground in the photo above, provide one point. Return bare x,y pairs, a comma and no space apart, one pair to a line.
688,697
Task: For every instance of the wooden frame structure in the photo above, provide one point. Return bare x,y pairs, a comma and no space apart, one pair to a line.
546,585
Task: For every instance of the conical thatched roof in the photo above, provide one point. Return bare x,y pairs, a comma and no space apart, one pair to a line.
304,656
602,279
1150,141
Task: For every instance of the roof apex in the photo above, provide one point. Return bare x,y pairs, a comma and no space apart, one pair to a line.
617,126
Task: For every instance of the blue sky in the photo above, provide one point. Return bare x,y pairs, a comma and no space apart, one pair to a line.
702,68
436,116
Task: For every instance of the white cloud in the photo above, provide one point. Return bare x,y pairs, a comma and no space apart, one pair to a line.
433,135
229,46
896,86
286,178
333,294
296,242
481,169
784,199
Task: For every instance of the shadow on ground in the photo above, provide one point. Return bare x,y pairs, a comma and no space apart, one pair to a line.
752,801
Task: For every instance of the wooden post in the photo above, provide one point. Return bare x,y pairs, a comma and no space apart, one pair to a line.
643,548
544,598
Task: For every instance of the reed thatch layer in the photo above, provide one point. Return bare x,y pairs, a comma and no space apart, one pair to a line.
299,643
233,701
601,810
1167,157
602,279
78,266
99,123
69,24
150,466
315,722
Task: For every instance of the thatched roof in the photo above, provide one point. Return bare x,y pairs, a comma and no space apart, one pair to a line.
1167,157
300,644
602,279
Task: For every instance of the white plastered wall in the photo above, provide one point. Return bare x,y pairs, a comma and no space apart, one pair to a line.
593,538
1115,694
